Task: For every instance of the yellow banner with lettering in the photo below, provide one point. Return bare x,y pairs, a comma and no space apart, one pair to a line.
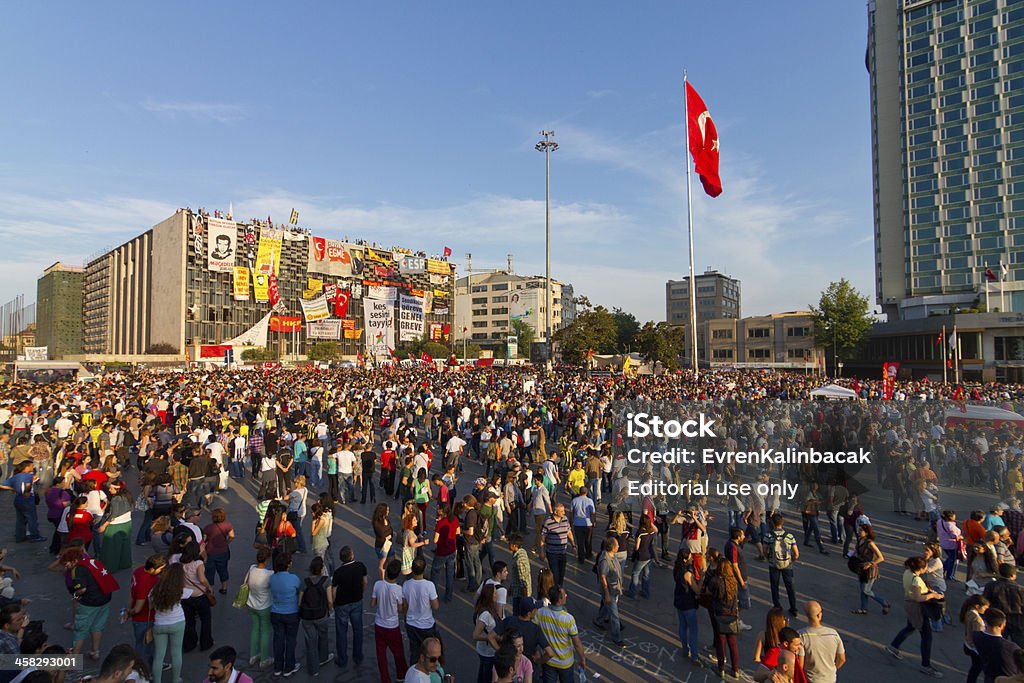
438,267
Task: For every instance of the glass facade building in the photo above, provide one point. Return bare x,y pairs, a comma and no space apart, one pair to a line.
947,123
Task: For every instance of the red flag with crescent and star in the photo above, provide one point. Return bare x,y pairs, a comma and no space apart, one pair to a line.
104,579
703,142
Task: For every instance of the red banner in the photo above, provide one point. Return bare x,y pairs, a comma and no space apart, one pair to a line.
213,350
889,372
341,298
273,293
285,323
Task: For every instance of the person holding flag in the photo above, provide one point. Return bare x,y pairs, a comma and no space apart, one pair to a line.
91,585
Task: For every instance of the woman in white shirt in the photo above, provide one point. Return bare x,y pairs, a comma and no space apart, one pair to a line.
168,620
258,604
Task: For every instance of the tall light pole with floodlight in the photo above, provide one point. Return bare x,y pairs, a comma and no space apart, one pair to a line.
547,145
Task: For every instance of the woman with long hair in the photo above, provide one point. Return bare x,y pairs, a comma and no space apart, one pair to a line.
774,622
116,549
168,620
545,580
79,522
160,535
485,619
725,611
320,534
871,558
382,536
280,533
218,534
197,605
685,601
643,555
421,495
950,538
970,616
935,580
411,542
258,606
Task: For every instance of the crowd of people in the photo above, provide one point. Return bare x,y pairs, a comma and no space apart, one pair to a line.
146,459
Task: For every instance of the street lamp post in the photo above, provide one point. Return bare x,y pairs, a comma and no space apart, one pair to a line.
547,146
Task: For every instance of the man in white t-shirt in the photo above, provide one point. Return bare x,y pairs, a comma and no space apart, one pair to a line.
346,465
421,600
386,602
453,450
63,426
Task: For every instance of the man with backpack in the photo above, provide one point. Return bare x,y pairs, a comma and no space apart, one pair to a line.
314,606
782,551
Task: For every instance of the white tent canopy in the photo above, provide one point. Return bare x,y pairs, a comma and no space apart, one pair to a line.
834,392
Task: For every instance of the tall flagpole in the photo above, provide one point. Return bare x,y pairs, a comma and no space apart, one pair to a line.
689,220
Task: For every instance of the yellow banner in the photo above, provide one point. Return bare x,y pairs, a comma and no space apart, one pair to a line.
440,293
438,267
241,283
308,294
268,254
260,284
378,255
314,284
353,334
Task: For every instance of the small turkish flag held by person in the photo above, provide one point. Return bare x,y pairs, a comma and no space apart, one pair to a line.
703,142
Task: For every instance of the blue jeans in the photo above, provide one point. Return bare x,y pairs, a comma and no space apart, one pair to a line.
315,472
688,631
553,675
286,634
609,613
926,640
26,517
217,565
300,468
867,593
343,615
348,493
145,650
556,561
787,578
237,468
145,534
811,528
446,564
949,563
641,579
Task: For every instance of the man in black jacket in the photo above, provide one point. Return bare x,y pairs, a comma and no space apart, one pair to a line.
1006,595
996,652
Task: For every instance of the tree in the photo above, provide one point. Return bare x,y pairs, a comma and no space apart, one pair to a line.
842,319
259,354
418,347
626,327
524,335
324,350
661,342
593,329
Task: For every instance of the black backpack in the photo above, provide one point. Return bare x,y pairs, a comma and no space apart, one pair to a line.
314,600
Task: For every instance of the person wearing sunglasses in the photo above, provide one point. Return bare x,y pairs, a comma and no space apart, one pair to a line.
428,666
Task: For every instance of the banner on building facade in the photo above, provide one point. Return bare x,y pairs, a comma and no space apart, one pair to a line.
378,256
353,333
410,318
435,331
331,257
324,329
315,309
240,283
379,320
37,353
348,324
273,293
438,267
387,293
221,245
285,323
254,336
197,237
436,279
249,237
412,264
268,255
522,305
261,286
314,284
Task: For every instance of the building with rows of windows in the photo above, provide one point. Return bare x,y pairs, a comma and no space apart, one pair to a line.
947,131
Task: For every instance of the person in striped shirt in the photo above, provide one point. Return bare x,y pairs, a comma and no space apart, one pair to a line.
559,627
557,534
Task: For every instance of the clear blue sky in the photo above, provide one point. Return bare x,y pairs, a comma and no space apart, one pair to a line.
414,124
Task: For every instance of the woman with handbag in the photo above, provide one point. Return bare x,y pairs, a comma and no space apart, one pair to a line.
258,602
916,595
870,559
197,605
